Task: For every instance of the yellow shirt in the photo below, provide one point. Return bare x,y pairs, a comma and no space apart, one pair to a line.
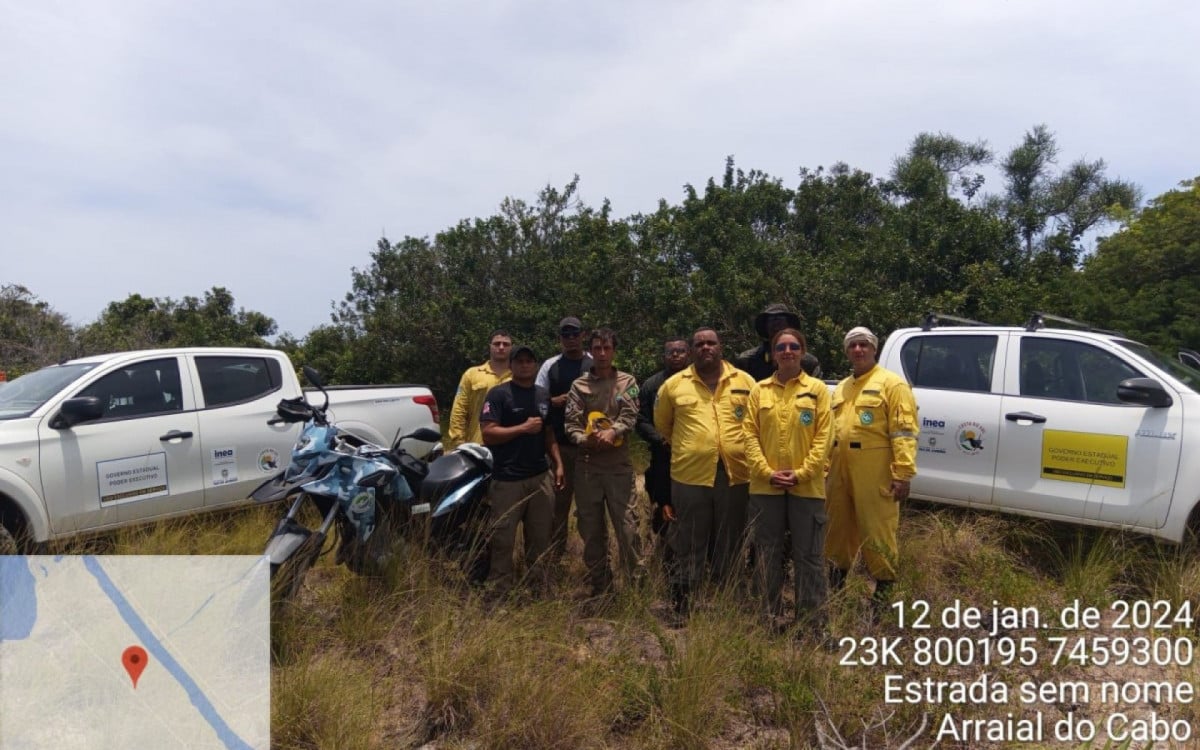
789,426
468,403
874,411
703,425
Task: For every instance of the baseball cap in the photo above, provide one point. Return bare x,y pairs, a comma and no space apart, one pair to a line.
522,349
570,323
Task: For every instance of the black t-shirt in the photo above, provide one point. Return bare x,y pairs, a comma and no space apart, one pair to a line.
509,405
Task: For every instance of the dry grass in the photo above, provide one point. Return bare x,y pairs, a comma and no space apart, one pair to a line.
416,658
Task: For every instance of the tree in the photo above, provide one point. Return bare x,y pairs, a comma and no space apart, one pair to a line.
32,334
1145,279
937,164
139,322
1053,212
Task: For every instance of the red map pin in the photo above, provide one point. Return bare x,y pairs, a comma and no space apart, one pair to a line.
134,660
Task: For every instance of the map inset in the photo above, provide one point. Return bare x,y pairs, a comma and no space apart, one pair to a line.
135,651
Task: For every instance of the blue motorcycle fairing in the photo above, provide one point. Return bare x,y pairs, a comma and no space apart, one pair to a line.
358,503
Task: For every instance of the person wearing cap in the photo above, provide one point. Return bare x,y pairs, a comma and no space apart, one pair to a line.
473,388
758,361
873,460
789,430
699,411
676,356
556,375
515,428
601,412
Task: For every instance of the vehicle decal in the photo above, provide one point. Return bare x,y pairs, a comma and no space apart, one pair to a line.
969,436
1155,434
1086,457
933,431
268,460
223,464
132,478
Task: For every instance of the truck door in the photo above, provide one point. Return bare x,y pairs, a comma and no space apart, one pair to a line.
139,461
240,449
952,377
1070,448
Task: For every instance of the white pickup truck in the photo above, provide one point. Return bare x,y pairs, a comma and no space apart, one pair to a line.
116,439
1083,426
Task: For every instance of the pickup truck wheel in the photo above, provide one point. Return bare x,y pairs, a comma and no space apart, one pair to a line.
8,544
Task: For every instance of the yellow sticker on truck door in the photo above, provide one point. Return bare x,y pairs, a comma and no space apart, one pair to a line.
1087,457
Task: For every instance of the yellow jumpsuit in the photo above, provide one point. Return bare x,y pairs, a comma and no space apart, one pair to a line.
875,441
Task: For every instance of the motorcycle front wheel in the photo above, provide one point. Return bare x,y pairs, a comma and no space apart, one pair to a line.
287,577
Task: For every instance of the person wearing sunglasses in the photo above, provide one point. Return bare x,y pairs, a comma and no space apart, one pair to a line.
789,430
556,375
473,387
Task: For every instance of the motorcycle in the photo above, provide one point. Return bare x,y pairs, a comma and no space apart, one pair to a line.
452,494
363,492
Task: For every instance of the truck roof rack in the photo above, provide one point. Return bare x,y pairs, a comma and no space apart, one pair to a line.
1038,320
933,320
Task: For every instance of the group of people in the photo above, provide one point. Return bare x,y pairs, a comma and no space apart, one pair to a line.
755,452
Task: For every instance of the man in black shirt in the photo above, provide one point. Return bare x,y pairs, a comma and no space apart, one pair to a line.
556,375
515,428
658,473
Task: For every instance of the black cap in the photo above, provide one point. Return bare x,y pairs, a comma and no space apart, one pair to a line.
522,349
571,323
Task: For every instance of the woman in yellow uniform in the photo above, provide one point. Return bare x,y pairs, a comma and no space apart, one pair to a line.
789,428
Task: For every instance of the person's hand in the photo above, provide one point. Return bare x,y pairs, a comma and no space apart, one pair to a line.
607,438
532,426
560,478
668,512
900,489
783,479
558,401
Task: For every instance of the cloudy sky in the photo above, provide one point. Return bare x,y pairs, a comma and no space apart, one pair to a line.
163,148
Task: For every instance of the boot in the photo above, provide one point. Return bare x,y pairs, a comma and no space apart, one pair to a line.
837,579
680,603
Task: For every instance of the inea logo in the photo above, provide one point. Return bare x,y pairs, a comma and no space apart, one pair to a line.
926,422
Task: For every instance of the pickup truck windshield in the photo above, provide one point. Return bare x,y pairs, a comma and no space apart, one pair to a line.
1182,373
23,396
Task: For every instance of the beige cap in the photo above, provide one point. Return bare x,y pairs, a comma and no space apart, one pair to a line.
860,332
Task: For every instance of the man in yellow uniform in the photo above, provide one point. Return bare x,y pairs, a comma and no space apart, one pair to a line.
472,389
873,461
699,412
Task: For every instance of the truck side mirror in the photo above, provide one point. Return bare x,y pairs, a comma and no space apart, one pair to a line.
1144,391
77,410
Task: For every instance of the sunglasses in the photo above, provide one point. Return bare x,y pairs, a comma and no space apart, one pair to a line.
787,346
